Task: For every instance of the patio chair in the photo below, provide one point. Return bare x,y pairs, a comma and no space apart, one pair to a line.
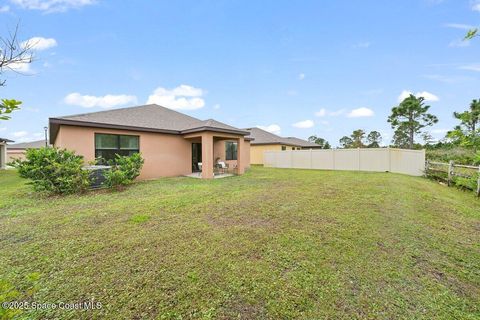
222,167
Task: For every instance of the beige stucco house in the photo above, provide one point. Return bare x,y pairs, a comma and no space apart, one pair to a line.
18,150
267,141
172,143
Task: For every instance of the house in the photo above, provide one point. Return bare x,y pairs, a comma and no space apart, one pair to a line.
172,143
267,141
3,152
18,150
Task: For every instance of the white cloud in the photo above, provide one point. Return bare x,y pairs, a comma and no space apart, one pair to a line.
363,44
20,134
360,112
336,113
426,95
476,6
304,124
107,101
321,113
301,76
4,9
52,5
460,26
3,129
440,131
22,67
216,106
459,43
273,128
40,43
183,97
471,67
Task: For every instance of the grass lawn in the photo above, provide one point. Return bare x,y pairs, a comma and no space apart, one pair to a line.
271,244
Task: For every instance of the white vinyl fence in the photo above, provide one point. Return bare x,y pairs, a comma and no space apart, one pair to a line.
411,162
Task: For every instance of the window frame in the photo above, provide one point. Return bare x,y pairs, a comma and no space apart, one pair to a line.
118,148
233,156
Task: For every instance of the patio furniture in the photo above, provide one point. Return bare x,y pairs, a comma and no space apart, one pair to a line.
222,167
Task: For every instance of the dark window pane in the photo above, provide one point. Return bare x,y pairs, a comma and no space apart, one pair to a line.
129,142
230,150
106,141
284,148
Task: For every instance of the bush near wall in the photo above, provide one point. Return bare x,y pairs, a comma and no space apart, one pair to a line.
123,170
53,170
458,154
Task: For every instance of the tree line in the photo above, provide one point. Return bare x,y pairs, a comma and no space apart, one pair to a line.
409,121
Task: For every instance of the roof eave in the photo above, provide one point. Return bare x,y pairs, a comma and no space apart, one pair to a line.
214,129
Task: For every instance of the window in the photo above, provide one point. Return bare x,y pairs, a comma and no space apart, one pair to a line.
284,148
108,145
230,150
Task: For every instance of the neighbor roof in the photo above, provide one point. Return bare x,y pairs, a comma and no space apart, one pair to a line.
28,145
302,143
5,140
261,136
149,117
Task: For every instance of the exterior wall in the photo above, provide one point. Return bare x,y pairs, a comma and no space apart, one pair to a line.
165,155
15,154
3,155
256,151
219,152
411,162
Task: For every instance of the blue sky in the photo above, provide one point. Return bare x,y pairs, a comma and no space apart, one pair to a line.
295,67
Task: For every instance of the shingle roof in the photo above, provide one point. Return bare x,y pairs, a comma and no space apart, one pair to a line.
5,140
303,143
150,117
264,137
28,145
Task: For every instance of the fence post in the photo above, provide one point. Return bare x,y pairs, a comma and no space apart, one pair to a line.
450,172
478,182
427,165
311,159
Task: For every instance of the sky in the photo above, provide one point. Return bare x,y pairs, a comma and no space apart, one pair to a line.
295,68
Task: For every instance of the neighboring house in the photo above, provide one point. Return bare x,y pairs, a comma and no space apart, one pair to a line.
267,141
172,143
18,150
3,152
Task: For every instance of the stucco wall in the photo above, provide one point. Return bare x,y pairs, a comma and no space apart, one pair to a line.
15,154
256,151
165,155
219,152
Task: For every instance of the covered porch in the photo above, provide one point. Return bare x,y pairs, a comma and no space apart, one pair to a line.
217,154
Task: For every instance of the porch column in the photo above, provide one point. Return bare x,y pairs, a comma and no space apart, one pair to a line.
3,155
240,155
207,155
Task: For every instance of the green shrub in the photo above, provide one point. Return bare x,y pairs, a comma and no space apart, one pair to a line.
460,155
124,170
53,170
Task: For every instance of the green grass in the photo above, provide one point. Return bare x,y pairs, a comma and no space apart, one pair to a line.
271,244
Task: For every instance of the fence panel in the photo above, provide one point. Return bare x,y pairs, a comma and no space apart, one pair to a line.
411,162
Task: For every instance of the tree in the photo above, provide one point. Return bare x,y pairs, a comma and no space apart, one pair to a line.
358,136
346,142
12,55
358,139
467,133
320,141
471,34
374,139
409,118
